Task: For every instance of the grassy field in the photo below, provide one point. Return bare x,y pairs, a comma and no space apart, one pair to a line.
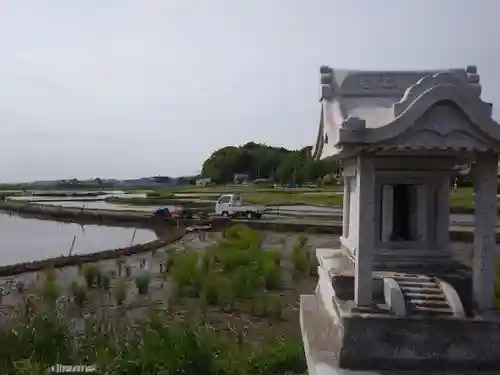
167,200
265,196
463,198
231,309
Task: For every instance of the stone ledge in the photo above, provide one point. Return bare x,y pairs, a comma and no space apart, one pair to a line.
453,299
73,260
419,343
394,297
322,340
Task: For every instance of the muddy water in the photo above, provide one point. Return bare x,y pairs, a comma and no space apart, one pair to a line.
23,239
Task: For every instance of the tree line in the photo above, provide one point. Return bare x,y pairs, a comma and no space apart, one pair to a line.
261,161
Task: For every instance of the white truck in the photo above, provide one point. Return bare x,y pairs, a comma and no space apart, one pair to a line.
231,205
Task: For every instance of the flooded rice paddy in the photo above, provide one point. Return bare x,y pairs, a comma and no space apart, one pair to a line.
25,239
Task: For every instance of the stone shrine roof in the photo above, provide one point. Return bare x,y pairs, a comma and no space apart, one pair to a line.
403,110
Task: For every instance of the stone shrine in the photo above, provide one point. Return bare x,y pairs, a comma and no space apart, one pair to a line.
392,297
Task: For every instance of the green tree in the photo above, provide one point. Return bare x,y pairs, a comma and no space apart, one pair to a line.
262,161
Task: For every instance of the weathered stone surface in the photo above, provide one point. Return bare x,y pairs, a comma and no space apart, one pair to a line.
323,342
419,343
398,135
386,106
71,369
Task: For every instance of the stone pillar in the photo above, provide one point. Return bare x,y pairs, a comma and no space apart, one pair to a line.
485,179
365,187
346,208
431,216
422,199
443,212
387,212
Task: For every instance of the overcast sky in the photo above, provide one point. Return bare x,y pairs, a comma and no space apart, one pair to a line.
131,88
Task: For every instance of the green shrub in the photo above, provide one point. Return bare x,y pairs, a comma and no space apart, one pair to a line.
79,293
275,256
142,283
274,308
39,335
210,290
171,254
120,291
302,240
226,294
184,269
50,274
50,291
207,262
244,236
260,304
245,282
300,259
92,274
284,357
313,264
272,275
104,281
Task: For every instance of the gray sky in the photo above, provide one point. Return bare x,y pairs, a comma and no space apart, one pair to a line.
130,88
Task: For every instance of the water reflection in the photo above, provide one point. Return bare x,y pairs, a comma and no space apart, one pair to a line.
24,239
100,205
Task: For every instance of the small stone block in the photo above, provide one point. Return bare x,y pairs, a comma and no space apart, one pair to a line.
71,369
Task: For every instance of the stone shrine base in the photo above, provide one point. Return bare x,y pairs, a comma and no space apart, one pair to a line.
417,322
323,346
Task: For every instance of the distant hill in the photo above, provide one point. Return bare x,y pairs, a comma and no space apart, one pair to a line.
262,161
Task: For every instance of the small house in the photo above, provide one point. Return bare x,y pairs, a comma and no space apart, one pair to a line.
241,178
203,182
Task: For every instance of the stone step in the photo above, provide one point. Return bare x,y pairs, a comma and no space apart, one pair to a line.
410,255
428,303
432,310
411,259
422,295
399,276
425,284
414,295
415,289
401,279
388,265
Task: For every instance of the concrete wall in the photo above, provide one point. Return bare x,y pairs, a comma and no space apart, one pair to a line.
381,343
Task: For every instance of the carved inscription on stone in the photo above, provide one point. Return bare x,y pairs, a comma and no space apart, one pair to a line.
382,81
386,83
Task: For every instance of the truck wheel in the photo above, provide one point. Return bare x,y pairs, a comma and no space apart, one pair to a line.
225,214
258,216
249,215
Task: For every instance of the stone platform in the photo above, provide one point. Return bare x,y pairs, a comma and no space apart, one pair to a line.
323,344
416,321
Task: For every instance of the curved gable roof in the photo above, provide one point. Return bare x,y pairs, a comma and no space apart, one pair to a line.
383,106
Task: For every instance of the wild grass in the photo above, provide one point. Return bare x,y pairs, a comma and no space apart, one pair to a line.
40,336
236,280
